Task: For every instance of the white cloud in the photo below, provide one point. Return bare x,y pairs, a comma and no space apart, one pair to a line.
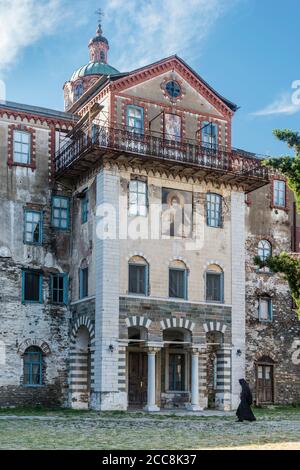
23,22
285,104
146,31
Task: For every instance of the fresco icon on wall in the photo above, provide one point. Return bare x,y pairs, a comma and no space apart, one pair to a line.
172,127
177,213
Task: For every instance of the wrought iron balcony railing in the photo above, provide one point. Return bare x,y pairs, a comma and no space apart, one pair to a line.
188,152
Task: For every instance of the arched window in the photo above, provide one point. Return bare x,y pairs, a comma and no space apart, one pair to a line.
178,280
102,56
33,366
264,249
78,91
214,284
214,203
138,276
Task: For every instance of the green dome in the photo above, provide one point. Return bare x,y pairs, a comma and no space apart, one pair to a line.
94,68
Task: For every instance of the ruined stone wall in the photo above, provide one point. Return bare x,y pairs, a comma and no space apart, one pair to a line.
22,325
279,338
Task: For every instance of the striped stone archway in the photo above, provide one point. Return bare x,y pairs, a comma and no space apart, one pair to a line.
223,364
81,371
175,322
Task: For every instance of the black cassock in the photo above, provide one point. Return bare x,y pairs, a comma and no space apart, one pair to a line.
244,411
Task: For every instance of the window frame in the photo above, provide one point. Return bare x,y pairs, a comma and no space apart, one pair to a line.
31,271
276,204
171,94
137,130
270,309
210,125
81,284
14,142
85,207
53,207
185,282
210,210
39,363
221,276
146,278
263,249
65,289
137,193
40,242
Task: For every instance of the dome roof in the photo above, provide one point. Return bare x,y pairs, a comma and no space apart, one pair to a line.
99,38
94,68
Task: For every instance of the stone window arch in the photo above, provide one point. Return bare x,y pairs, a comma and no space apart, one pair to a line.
178,279
214,283
138,275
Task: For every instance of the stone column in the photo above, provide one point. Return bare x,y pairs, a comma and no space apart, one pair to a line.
151,388
203,400
106,394
194,406
238,293
223,393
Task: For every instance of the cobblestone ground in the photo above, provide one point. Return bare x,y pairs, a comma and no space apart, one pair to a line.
274,429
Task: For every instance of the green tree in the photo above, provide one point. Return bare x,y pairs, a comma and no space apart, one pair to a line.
287,264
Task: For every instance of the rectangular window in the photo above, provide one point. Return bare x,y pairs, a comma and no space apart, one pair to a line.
279,190
33,227
59,288
214,287
177,283
137,198
32,285
83,283
21,147
209,135
172,127
135,119
176,372
214,210
138,279
32,368
85,207
61,212
265,310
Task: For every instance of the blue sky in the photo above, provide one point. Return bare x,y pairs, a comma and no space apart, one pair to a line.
246,49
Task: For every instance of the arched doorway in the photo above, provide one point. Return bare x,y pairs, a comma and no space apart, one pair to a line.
80,369
137,367
264,380
176,365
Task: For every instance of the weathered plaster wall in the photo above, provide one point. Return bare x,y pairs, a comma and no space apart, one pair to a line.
27,188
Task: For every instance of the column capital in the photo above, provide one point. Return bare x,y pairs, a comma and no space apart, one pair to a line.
196,349
153,347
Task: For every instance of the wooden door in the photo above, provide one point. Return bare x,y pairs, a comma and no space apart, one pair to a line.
137,382
265,387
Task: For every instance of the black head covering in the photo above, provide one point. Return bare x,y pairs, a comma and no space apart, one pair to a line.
246,392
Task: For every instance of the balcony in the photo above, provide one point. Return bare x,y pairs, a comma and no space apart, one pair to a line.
187,157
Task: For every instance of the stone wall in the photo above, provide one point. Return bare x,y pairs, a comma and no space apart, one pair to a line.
278,339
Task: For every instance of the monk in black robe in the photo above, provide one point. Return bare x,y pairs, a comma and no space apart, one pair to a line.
244,411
